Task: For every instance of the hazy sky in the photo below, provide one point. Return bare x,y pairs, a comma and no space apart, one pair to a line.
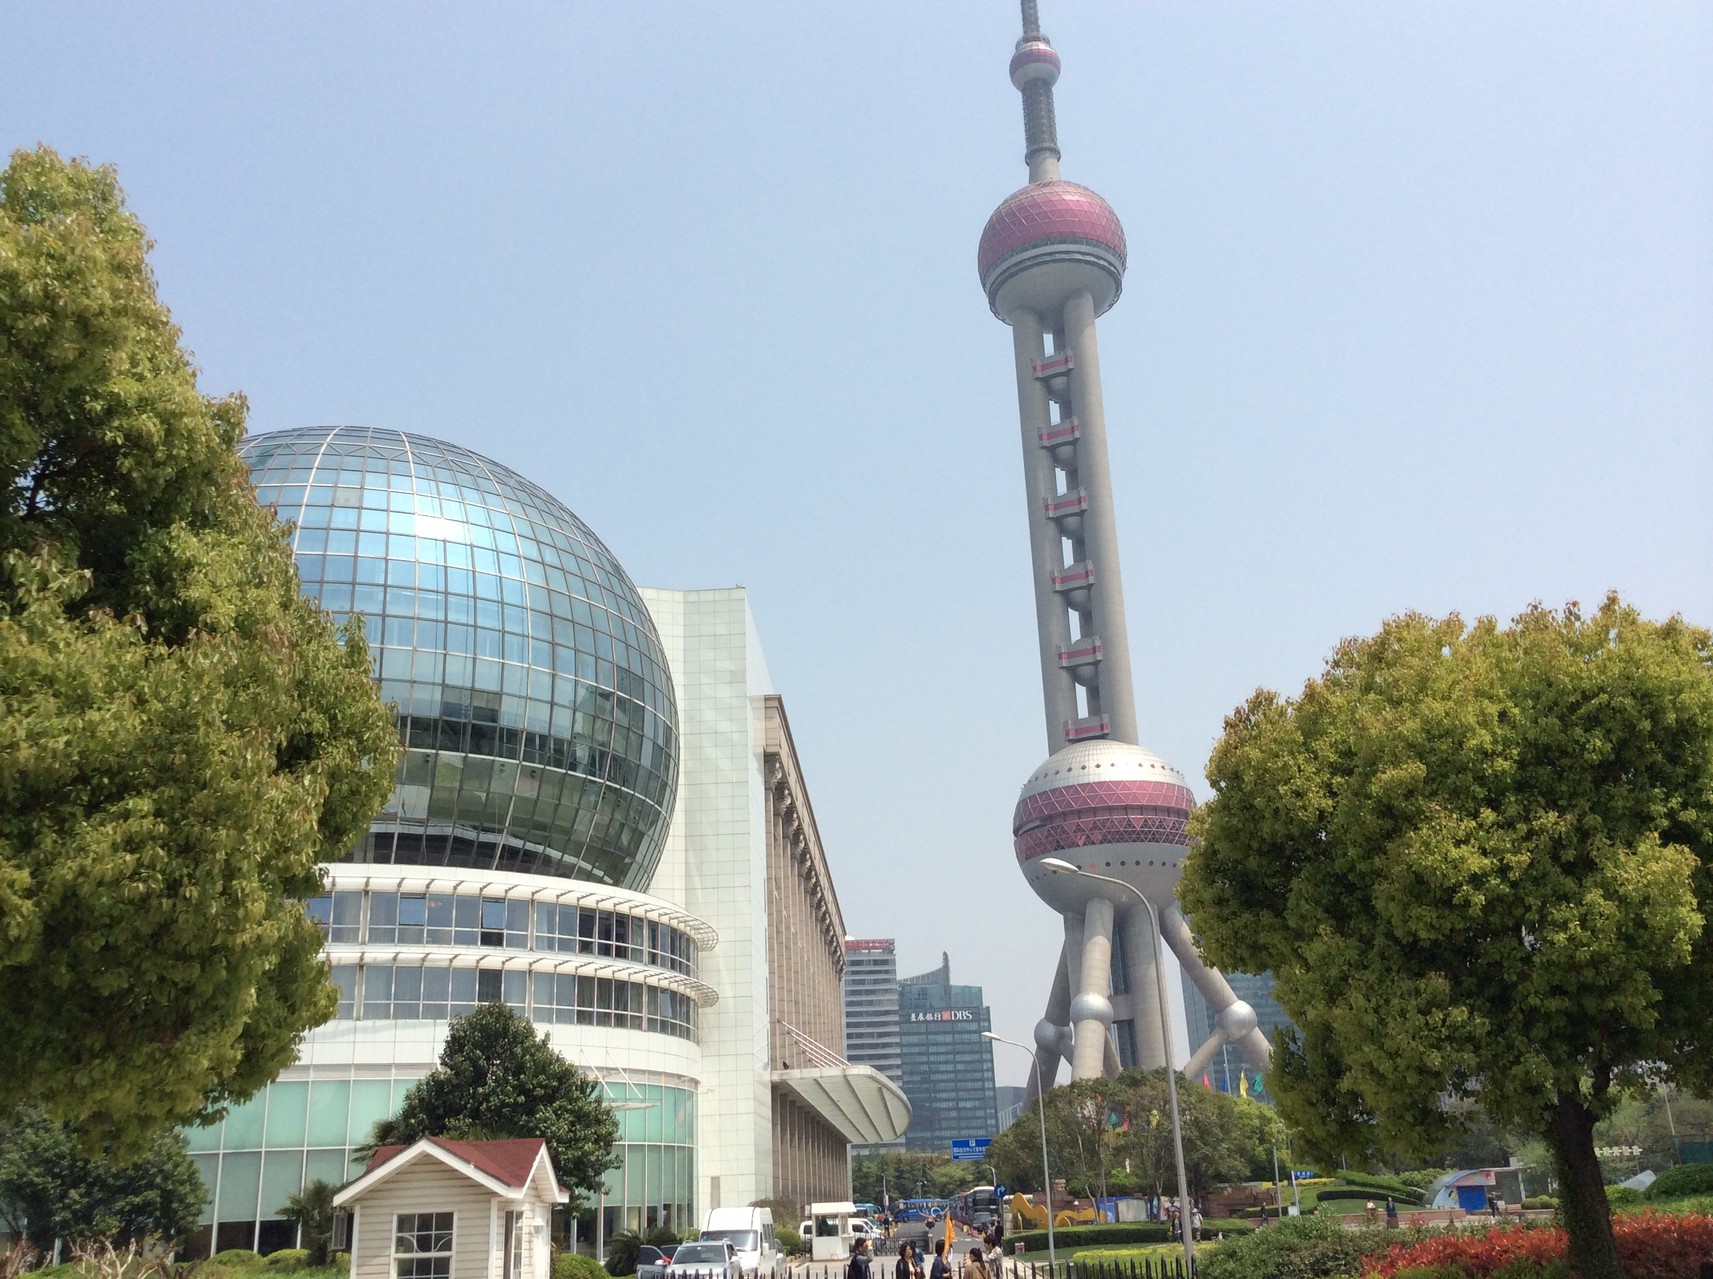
1419,315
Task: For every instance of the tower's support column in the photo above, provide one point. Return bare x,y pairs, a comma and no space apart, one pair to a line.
1091,1010
1049,1031
1257,1052
1100,529
1140,960
1051,623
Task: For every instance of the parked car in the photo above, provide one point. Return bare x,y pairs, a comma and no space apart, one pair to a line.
703,1259
750,1233
651,1262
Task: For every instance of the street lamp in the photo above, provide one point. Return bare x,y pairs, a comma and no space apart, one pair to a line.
1060,866
1041,1113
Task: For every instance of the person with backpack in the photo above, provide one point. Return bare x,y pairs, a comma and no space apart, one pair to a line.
859,1262
941,1268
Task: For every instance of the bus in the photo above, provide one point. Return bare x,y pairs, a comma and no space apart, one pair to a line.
975,1207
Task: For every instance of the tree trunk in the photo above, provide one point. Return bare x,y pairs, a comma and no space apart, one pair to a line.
1582,1190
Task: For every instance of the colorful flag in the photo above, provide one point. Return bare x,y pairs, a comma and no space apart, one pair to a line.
1242,1084
1206,1082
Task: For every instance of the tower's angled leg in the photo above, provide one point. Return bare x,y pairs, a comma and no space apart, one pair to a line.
1257,1052
1091,1010
1049,1031
1140,956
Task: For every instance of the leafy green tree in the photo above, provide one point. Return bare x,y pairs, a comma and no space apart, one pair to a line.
52,1187
496,1080
183,737
1098,1128
311,1209
1478,861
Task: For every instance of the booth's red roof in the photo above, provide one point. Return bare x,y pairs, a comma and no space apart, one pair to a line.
508,1162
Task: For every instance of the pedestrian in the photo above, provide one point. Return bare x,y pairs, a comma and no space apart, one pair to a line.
1391,1213
975,1265
941,1268
1264,1217
1195,1223
909,1265
859,1263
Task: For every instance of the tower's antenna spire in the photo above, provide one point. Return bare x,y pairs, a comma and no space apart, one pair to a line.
1034,70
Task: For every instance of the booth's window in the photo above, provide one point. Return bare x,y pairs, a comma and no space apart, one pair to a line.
422,1245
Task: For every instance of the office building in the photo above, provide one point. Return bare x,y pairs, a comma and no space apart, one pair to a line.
599,819
948,1066
871,1006
1225,1067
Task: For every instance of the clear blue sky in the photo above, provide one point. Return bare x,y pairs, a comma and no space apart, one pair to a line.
1419,315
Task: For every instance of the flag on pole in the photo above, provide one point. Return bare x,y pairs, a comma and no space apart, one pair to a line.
1242,1084
949,1236
1206,1082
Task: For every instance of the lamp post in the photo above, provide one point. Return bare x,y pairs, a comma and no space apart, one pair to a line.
1041,1114
1060,866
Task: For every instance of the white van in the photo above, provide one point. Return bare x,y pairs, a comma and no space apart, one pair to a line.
755,1248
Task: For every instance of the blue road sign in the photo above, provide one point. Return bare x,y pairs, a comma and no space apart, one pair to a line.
970,1147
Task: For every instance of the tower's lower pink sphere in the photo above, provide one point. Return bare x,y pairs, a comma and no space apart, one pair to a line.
1116,809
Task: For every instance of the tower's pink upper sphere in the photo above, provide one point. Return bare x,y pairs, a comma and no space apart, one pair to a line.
1049,213
1034,60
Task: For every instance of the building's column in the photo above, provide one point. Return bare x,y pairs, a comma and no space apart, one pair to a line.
1100,527
1047,1030
1140,959
1091,1010
1052,623
1257,1052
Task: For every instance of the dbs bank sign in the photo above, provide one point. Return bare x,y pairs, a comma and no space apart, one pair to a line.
945,1014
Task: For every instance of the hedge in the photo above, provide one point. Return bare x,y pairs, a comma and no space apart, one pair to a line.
288,1259
1685,1179
1068,1239
237,1257
574,1265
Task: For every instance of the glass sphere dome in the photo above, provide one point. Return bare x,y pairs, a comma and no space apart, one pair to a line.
535,707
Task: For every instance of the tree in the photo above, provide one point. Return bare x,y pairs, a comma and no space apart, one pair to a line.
183,737
1104,1131
498,1080
52,1187
311,1209
1478,861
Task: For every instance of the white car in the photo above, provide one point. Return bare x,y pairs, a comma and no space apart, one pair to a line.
704,1259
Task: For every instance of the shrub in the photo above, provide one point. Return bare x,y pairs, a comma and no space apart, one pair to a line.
1623,1196
790,1242
1071,1238
574,1265
1651,1245
1540,1201
340,1261
288,1259
1685,1179
623,1246
1420,1178
236,1257
1295,1248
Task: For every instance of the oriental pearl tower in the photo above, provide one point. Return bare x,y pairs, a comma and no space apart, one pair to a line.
1051,260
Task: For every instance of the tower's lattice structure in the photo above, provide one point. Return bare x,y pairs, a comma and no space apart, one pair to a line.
1052,260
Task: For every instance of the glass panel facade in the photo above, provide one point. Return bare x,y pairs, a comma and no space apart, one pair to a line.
472,920
248,1185
535,707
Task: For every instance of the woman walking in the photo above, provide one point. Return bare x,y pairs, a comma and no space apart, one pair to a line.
909,1266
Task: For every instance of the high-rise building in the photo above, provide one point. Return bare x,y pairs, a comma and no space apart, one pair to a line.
948,1065
871,1006
1256,990
599,819
1051,260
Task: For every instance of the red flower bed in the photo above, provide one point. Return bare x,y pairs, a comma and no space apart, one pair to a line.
1651,1245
